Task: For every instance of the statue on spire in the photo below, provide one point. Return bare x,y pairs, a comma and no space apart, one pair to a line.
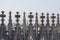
3,28
17,29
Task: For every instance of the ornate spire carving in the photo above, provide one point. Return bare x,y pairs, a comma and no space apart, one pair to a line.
10,19
2,25
17,17
57,20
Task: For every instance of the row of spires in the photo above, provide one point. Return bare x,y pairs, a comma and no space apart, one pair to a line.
24,18
30,24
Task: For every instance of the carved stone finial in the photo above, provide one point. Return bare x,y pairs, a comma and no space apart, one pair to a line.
42,17
2,11
53,17
2,16
17,16
30,16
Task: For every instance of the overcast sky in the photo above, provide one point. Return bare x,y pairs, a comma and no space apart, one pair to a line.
50,6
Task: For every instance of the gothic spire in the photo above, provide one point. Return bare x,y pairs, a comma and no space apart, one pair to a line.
10,19
36,23
42,27
24,25
24,19
47,28
47,20
57,20
17,29
53,26
2,25
30,34
10,26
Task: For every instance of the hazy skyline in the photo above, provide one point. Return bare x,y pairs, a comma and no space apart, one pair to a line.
50,6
